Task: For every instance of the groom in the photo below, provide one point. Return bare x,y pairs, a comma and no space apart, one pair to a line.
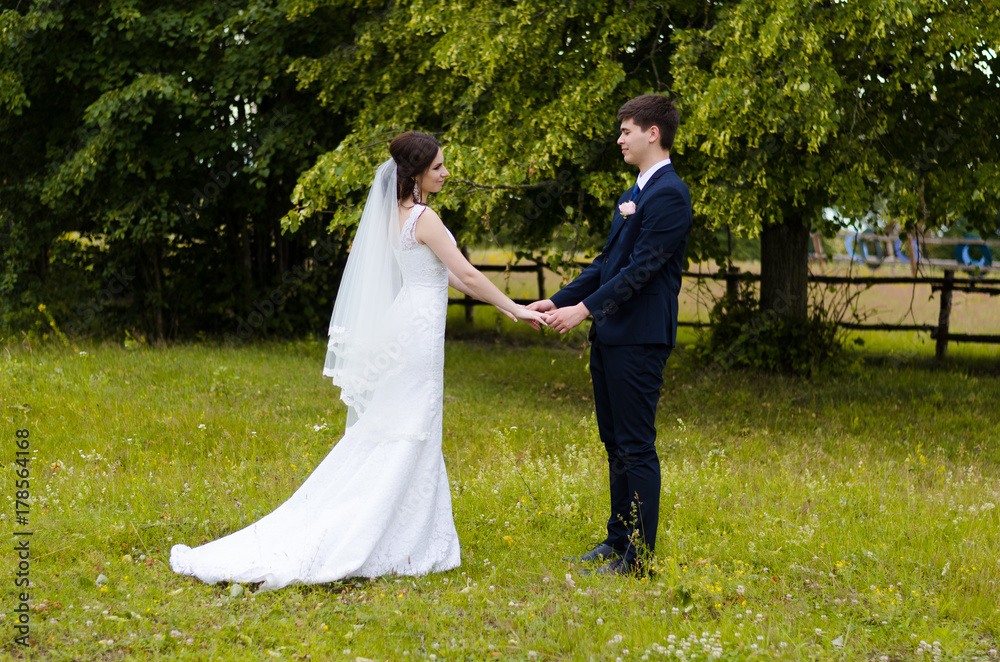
631,292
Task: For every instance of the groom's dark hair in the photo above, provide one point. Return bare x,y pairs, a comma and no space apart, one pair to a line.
649,109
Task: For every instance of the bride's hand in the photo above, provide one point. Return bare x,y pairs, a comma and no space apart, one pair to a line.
509,314
532,317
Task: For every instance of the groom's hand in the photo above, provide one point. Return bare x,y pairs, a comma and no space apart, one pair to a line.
543,306
564,319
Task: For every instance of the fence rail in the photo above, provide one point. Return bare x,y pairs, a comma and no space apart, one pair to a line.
946,285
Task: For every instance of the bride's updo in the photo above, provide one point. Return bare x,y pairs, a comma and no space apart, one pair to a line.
413,153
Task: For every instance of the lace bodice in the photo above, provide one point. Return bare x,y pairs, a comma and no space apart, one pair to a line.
418,263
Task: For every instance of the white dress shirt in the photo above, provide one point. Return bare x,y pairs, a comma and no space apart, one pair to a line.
644,177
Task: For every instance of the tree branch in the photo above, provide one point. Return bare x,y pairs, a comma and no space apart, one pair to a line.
494,187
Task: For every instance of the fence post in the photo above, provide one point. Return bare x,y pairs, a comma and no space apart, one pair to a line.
818,254
733,283
469,306
942,329
541,279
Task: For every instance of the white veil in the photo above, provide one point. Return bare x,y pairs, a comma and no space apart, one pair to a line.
356,357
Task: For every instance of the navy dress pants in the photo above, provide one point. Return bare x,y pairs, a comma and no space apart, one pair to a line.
627,381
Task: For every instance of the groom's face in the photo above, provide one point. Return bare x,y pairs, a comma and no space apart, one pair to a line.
635,142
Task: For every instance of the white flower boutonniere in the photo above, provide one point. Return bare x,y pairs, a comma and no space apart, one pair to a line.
627,208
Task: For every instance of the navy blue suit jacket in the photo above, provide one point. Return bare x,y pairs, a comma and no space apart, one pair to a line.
631,288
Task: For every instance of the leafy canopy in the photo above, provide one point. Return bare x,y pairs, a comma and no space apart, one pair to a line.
523,97
793,105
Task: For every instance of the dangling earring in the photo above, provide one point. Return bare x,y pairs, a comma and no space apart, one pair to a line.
416,192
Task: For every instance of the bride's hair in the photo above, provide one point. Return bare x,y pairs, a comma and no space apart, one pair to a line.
413,153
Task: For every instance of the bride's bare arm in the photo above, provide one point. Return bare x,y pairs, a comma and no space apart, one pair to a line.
456,282
431,232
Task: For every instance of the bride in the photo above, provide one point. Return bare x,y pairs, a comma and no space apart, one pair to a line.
379,503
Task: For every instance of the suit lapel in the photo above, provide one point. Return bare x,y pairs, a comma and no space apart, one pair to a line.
656,175
618,222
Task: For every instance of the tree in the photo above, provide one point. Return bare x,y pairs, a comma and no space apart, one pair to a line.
150,149
794,105
523,96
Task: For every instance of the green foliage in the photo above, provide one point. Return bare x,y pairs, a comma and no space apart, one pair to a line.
796,106
867,106
742,335
157,146
202,149
523,97
171,137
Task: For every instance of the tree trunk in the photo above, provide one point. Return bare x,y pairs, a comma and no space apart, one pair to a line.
160,298
784,268
246,251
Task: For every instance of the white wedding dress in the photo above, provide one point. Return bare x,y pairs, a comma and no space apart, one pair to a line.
379,503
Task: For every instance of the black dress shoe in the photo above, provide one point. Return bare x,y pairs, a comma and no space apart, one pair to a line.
602,552
617,568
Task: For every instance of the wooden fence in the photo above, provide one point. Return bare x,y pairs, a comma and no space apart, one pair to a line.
946,285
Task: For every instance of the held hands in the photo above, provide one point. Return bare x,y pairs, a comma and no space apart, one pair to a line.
543,306
560,319
545,312
532,317
564,319
524,314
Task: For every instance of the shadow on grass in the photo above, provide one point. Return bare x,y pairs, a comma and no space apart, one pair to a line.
981,365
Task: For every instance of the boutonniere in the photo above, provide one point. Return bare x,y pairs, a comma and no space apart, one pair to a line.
627,208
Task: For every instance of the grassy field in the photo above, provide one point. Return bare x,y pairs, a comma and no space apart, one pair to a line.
844,517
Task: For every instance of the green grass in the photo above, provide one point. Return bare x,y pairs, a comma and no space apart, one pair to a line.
844,517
